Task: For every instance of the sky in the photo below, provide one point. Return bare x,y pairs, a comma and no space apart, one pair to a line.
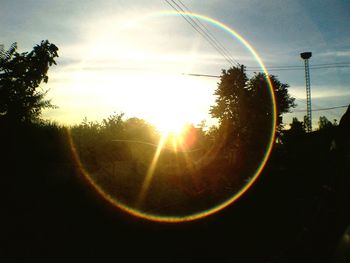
131,56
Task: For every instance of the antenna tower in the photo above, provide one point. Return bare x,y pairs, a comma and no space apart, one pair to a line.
305,56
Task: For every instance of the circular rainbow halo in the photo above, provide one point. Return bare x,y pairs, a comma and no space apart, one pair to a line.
174,179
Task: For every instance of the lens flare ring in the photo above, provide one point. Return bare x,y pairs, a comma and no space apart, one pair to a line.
190,217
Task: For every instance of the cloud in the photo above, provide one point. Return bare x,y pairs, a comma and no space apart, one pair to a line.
67,61
320,92
337,53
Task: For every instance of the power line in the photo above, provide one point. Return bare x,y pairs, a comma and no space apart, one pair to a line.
323,109
331,111
316,66
281,68
203,32
303,110
205,28
289,69
156,145
299,66
201,75
200,30
197,25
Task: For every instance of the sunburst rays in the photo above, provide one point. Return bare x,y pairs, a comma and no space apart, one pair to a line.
177,143
150,172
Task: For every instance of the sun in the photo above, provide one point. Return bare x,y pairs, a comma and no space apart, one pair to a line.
172,130
170,126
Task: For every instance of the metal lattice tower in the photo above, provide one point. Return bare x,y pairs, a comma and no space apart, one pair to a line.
305,56
2,51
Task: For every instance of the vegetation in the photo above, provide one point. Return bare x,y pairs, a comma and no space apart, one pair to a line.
241,100
244,108
117,153
20,77
297,209
324,123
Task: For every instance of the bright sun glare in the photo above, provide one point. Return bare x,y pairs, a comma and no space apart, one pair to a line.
121,74
170,104
170,126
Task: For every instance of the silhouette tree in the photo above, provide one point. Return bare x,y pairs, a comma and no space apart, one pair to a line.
306,120
20,77
296,131
324,123
244,107
297,127
343,137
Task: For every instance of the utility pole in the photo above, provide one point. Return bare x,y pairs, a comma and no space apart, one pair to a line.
305,56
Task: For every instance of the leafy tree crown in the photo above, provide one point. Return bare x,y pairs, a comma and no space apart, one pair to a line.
20,77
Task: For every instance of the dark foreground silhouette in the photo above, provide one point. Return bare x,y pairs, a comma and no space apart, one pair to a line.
297,211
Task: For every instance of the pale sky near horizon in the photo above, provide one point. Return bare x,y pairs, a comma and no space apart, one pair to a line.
128,56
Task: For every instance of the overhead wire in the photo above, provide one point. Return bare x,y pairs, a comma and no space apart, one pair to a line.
202,31
323,109
301,67
201,75
319,108
302,110
282,68
205,28
157,145
197,25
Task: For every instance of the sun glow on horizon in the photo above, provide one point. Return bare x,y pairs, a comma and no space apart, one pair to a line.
171,102
169,125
